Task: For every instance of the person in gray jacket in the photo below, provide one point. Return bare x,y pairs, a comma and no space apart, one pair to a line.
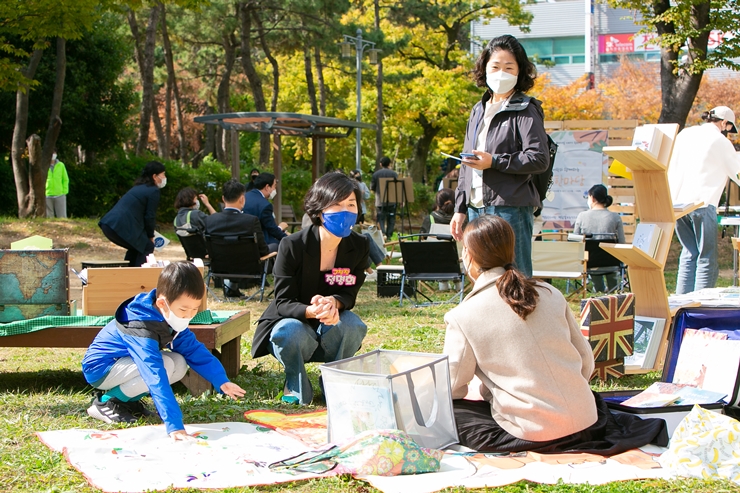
600,223
506,133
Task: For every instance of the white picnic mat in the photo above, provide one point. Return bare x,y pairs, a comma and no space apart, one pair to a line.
227,455
221,455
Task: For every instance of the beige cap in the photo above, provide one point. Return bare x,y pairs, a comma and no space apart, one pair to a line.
724,113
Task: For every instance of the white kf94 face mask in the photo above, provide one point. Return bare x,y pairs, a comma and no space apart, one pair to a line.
501,82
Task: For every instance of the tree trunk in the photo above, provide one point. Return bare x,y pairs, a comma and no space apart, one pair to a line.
223,94
309,79
209,145
21,173
250,71
421,148
167,120
158,130
379,90
35,153
146,69
273,62
172,82
321,144
679,90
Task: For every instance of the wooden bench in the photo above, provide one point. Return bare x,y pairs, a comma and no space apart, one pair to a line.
224,341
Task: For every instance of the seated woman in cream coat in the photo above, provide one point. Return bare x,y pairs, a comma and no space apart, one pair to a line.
519,337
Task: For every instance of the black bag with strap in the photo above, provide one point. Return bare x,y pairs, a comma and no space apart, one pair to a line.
543,181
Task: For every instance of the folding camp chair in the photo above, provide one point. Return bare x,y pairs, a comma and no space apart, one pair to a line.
237,257
430,261
600,262
194,246
561,260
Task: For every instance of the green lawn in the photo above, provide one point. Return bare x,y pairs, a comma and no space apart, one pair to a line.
43,389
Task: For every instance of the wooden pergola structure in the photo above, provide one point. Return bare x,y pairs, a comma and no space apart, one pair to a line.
314,127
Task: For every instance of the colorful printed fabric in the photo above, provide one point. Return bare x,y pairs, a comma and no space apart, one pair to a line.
608,322
705,445
376,452
310,428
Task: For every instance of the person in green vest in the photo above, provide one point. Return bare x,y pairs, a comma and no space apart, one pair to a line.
57,188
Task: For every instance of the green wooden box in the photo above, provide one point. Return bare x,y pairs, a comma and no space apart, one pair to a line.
33,283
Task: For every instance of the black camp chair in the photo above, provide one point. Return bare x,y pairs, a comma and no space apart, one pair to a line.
425,261
600,262
237,257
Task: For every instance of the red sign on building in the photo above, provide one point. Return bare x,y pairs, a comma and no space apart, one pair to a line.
616,43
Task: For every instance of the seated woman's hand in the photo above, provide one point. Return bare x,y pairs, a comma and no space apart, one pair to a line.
324,308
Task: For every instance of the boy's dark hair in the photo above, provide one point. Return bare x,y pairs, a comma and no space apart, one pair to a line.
507,42
185,198
178,279
328,190
232,190
385,161
151,168
263,180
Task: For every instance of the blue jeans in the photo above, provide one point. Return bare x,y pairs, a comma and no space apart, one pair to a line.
521,220
376,255
387,213
293,343
697,265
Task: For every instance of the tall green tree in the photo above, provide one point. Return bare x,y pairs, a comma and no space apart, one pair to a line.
40,23
683,28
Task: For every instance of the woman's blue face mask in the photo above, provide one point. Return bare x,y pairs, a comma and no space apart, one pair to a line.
339,223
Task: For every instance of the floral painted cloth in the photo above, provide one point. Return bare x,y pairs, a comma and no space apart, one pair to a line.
705,445
375,452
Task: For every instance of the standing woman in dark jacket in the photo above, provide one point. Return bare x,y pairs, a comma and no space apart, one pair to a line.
130,223
506,132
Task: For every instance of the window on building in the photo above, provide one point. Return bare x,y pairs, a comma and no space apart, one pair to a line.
639,56
560,51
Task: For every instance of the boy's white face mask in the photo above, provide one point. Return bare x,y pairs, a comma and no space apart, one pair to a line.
178,324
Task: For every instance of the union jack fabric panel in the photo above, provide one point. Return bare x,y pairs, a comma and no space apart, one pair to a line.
608,322
609,370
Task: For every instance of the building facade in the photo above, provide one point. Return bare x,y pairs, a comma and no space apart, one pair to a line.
570,38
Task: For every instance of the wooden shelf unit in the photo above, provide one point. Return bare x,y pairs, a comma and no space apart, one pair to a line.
652,193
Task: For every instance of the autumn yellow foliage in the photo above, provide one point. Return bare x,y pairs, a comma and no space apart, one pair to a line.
571,102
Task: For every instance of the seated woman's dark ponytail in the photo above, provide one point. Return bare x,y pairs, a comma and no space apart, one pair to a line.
490,243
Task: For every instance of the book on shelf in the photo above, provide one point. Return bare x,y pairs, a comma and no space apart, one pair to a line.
646,237
647,339
648,138
683,206
663,394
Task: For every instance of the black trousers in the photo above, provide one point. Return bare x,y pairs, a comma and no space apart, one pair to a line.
135,257
611,434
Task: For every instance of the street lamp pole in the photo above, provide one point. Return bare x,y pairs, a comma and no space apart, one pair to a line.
360,45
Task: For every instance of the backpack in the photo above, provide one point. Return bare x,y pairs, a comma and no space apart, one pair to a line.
186,229
543,181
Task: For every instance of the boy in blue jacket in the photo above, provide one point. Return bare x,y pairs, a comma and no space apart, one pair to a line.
147,347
